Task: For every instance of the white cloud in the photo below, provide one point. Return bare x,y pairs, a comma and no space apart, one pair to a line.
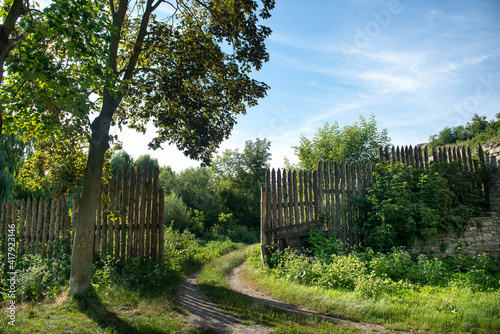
388,83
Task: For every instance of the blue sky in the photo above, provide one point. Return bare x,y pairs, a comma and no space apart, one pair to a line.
417,66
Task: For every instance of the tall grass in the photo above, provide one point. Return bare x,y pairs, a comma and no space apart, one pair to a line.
455,295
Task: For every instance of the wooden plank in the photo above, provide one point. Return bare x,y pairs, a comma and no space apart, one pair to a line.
104,222
39,226
398,154
343,199
316,200
14,219
286,222
301,197
111,217
131,207
142,221
45,225
57,224
465,158
291,212
22,227
98,228
295,198
484,180
265,240
279,200
273,188
336,214
117,213
326,191
320,187
137,214
307,208
469,155
124,212
161,229
154,227
50,240
147,228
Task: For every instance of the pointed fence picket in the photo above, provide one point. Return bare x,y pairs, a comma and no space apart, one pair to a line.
293,203
129,220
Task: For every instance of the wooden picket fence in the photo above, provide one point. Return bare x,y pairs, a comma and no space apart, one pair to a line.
294,203
129,220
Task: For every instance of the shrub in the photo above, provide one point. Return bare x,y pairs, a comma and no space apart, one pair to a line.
176,212
406,204
40,277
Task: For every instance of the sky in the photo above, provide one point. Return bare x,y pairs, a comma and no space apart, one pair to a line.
417,66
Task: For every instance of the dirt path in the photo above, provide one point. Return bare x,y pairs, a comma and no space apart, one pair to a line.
238,286
203,313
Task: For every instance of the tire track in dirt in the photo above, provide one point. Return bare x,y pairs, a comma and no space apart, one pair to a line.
204,314
238,286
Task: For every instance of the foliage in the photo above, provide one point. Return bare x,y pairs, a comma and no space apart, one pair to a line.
378,275
321,246
358,142
478,131
406,204
176,212
121,160
240,178
145,161
39,277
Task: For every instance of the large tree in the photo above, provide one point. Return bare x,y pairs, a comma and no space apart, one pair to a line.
357,142
188,74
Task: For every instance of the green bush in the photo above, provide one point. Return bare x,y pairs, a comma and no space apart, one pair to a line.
406,204
378,275
40,277
176,212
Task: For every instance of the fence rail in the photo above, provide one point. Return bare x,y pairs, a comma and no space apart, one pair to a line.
129,220
293,203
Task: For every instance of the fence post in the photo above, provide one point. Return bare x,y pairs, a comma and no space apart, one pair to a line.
264,225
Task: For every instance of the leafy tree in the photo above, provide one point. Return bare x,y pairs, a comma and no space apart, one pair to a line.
166,179
358,142
172,72
121,160
176,212
146,161
196,187
12,32
241,175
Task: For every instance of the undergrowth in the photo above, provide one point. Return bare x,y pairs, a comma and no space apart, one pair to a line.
458,293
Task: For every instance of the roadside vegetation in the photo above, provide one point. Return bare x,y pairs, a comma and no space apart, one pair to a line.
132,296
401,291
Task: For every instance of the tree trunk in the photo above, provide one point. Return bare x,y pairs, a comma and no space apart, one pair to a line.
81,256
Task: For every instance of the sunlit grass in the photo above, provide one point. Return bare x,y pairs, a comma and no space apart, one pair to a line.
213,281
435,309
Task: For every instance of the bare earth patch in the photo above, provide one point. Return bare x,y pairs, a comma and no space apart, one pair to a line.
204,314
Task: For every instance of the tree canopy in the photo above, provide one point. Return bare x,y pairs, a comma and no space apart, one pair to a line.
358,142
188,74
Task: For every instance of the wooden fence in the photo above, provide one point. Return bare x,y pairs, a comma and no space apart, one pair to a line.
293,203
129,220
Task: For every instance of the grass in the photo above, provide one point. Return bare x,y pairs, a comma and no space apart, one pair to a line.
136,296
214,283
434,309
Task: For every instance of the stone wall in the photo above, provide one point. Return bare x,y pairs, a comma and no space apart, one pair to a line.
482,236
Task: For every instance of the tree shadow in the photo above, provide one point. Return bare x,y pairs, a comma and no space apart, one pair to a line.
92,306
